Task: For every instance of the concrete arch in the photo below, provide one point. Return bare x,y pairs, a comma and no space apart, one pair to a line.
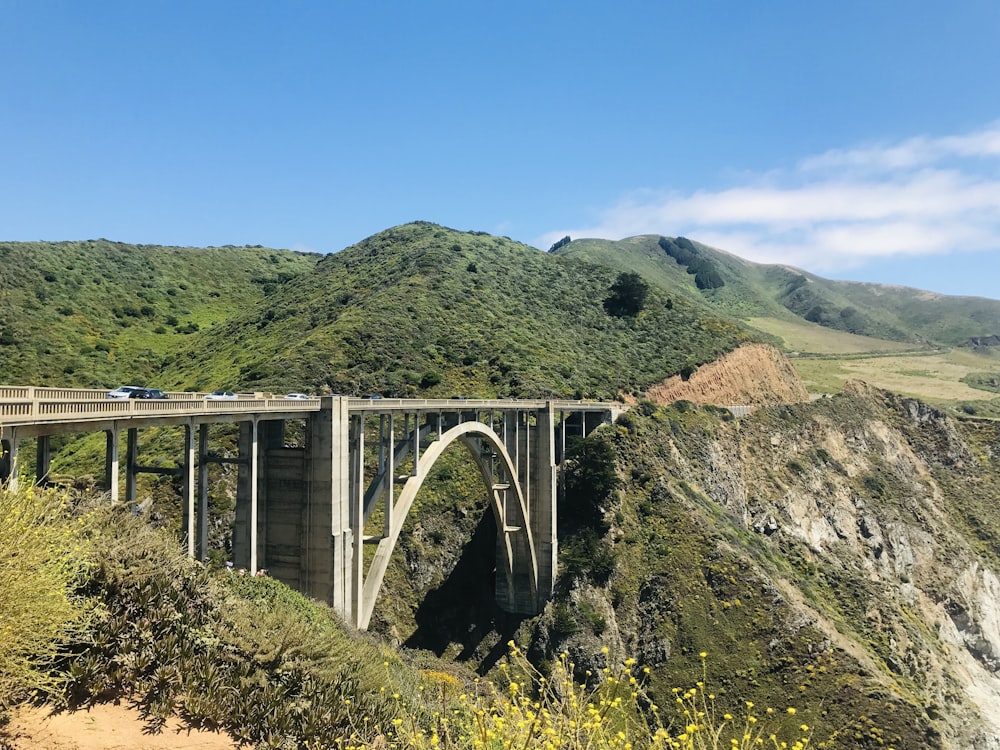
516,548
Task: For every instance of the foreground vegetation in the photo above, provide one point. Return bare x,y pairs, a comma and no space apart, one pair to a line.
109,609
41,565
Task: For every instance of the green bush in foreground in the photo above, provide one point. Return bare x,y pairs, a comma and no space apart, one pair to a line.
245,655
40,563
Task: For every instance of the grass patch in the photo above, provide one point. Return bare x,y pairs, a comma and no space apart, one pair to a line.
935,377
806,337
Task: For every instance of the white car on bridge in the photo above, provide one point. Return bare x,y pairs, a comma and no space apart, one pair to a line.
221,396
124,391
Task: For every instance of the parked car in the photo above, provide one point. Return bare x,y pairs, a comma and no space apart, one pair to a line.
220,396
147,393
124,391
298,396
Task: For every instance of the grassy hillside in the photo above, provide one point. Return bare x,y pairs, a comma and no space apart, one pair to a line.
734,286
98,313
960,379
425,309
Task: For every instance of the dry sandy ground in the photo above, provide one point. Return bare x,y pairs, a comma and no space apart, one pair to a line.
103,727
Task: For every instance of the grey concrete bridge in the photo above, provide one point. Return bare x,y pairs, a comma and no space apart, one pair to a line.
307,513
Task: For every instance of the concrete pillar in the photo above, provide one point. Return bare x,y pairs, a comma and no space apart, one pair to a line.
415,445
43,458
526,467
245,552
327,537
390,476
188,470
253,480
202,524
511,435
111,464
274,526
10,449
131,461
543,505
4,461
354,583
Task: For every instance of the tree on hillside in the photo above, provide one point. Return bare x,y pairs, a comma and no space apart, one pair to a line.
628,296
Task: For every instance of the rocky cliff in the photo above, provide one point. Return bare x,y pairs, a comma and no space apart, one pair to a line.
839,556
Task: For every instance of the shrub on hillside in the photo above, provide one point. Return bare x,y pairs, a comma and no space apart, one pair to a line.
242,653
39,567
628,296
590,477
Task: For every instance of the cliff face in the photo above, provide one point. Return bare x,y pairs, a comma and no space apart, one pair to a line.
753,374
840,556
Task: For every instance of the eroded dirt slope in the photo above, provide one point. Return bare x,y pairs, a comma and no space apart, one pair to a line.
753,374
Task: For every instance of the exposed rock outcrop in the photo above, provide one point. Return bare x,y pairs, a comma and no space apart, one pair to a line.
980,341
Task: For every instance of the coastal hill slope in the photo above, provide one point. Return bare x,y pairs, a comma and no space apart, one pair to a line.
424,310
743,289
98,313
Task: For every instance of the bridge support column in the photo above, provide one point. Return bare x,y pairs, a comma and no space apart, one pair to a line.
202,492
188,470
512,438
355,577
43,458
542,505
245,551
131,462
8,459
111,463
327,536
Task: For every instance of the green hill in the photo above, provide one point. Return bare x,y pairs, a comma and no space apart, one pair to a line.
97,313
422,309
733,286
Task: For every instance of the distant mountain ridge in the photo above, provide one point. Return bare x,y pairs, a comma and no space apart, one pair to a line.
734,286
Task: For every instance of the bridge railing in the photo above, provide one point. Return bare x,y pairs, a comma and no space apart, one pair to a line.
15,409
23,410
473,404
34,404
86,394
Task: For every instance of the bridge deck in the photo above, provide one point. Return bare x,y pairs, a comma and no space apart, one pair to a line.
38,411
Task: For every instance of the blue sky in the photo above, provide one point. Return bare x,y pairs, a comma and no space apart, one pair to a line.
856,140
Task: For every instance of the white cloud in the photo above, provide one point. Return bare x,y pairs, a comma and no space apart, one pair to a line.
837,210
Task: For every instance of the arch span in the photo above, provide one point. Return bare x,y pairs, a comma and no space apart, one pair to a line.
517,560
